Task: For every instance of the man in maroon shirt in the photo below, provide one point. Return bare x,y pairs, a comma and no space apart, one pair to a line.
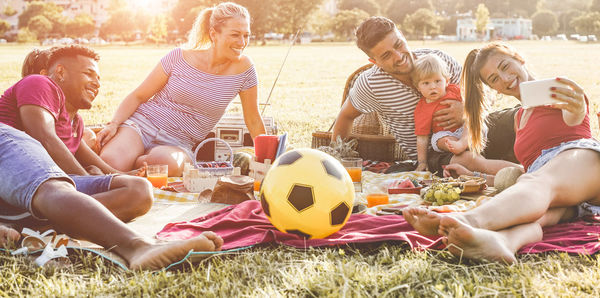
46,109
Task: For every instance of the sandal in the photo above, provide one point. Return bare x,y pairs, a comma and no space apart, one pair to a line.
59,256
33,240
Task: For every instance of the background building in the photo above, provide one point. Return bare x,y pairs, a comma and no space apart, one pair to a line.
497,28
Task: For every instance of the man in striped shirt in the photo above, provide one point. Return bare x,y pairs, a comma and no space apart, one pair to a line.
387,89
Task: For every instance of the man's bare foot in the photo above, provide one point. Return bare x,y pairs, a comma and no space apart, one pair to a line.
474,243
161,255
456,146
426,222
8,235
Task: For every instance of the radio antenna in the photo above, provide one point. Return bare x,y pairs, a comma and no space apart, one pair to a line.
280,68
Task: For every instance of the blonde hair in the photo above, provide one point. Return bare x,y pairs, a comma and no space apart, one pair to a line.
476,106
428,65
213,17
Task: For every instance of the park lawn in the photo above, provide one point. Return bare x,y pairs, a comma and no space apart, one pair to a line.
307,98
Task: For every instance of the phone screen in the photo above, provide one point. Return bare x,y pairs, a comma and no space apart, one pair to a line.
537,93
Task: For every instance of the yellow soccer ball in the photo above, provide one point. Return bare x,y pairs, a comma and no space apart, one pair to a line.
307,192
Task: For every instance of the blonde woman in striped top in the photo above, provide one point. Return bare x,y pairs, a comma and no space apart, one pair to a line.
185,95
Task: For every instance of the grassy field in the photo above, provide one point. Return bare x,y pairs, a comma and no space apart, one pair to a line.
307,98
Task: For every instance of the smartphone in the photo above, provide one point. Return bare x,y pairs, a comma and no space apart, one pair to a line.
537,93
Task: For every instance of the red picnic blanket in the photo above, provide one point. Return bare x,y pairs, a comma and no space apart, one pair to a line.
245,224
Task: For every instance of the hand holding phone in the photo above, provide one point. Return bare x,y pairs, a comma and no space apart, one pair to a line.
537,93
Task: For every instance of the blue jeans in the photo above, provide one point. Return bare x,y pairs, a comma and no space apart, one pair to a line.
24,166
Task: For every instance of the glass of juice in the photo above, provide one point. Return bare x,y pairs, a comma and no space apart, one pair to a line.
374,199
257,184
157,175
354,167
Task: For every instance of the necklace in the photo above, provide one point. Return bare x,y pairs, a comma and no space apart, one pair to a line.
220,67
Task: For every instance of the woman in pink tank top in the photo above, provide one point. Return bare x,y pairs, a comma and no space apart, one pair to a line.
561,181
185,95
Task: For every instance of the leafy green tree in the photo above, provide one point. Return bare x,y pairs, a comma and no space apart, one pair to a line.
9,11
482,18
369,6
588,23
291,15
120,23
4,26
423,22
24,35
346,21
158,29
399,9
261,15
544,22
565,20
40,26
185,12
81,25
49,10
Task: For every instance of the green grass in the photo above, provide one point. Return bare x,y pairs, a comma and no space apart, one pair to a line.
307,98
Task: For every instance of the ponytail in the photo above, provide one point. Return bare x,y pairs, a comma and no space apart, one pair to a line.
475,105
199,37
213,17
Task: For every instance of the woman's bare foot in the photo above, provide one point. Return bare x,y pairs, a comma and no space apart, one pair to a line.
474,243
159,256
8,235
426,222
456,146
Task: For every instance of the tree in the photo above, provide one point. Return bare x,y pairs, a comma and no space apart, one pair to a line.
423,21
588,23
158,29
544,22
566,18
261,17
49,10
81,25
182,15
399,9
40,26
120,23
346,21
24,35
4,26
9,11
291,15
482,18
369,6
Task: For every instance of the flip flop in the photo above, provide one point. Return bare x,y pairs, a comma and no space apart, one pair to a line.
58,256
33,240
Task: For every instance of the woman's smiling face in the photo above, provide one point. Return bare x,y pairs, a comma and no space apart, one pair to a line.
504,73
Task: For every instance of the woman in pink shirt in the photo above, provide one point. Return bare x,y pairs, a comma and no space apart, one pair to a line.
553,143
185,95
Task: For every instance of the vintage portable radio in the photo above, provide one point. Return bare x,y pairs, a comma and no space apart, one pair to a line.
233,130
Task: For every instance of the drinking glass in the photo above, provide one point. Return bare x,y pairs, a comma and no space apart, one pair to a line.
157,175
354,167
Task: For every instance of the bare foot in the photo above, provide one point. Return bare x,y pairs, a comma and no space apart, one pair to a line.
158,256
474,243
8,235
456,146
426,222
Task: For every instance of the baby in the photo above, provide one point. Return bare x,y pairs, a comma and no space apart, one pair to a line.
430,76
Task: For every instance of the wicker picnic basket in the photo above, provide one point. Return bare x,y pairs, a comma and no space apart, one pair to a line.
204,175
375,142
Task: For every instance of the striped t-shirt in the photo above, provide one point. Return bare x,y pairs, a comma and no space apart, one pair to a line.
377,91
192,101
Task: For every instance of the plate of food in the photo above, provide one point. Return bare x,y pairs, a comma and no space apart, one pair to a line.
408,185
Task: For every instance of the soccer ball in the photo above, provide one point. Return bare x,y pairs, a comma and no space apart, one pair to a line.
307,192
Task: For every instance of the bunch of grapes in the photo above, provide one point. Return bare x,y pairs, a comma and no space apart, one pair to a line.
442,194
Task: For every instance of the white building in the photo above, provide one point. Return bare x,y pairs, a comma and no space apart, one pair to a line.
502,28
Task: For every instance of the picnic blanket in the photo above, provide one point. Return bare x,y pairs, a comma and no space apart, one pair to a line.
245,224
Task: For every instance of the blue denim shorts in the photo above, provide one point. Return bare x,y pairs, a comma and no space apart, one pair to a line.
91,185
24,166
153,136
444,133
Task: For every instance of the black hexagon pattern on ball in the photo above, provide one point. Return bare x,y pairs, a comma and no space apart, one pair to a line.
299,233
289,158
331,170
301,197
339,213
265,204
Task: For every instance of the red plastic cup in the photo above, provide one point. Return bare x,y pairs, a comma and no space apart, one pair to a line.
265,147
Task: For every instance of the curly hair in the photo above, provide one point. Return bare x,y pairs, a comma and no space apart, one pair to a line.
71,51
35,62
